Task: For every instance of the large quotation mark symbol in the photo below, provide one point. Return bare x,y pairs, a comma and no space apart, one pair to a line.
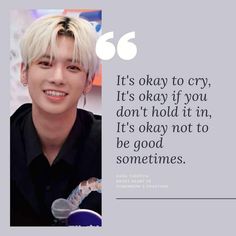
125,49
106,50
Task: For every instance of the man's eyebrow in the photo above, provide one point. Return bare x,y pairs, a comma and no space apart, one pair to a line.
71,60
46,56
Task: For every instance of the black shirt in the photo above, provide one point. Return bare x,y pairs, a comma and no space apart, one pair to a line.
35,184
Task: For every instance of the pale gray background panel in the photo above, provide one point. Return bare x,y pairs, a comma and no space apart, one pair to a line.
182,38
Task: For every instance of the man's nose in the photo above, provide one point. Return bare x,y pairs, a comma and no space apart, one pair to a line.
57,76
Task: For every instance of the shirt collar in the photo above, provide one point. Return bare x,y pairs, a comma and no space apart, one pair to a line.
70,148
73,146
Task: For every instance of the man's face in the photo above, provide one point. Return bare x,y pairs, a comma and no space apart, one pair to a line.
55,87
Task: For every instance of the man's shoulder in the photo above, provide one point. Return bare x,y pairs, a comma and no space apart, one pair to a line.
82,112
18,116
90,119
92,128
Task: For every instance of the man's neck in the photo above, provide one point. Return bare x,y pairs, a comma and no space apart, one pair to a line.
53,130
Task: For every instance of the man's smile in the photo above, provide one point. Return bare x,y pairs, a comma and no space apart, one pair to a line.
55,93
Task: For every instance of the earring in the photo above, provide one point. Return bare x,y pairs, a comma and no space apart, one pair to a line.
24,84
84,98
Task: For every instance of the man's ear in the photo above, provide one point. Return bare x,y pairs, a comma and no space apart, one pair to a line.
23,74
88,86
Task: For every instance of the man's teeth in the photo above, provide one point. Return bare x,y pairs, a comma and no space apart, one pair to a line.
55,93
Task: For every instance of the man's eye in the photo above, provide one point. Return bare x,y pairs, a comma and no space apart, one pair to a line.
45,64
73,68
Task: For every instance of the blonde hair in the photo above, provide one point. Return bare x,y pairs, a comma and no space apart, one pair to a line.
42,35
